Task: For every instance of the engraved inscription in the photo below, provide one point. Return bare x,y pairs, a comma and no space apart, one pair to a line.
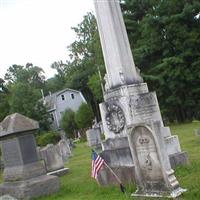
143,104
11,153
28,148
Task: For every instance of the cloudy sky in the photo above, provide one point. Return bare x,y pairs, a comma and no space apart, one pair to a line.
38,31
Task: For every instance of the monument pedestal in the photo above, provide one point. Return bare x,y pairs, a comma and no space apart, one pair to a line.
24,175
34,187
125,106
117,155
133,104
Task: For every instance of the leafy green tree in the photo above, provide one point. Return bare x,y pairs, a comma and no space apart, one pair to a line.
25,84
94,84
4,105
164,37
29,74
86,56
84,116
68,123
25,100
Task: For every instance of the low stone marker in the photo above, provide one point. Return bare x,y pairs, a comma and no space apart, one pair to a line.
53,160
197,132
24,175
65,150
153,173
93,136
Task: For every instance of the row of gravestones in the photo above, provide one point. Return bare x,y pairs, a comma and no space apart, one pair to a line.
54,157
29,171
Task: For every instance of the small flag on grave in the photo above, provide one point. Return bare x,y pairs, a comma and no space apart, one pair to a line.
97,164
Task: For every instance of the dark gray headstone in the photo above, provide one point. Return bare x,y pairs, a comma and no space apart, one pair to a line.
24,175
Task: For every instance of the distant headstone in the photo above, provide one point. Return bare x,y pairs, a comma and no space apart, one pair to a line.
65,150
197,132
153,173
24,175
7,197
93,136
53,160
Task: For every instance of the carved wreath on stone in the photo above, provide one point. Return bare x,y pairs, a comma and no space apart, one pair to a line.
115,118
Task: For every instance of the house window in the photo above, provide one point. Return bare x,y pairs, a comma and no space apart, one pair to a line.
63,97
72,96
52,117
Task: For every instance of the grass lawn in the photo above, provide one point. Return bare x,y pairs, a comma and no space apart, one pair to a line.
78,185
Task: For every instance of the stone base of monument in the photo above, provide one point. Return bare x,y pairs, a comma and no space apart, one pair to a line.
117,155
31,188
173,194
59,172
125,174
178,159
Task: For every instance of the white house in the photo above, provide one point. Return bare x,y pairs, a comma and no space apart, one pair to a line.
58,102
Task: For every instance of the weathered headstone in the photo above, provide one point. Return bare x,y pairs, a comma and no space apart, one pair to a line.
65,151
153,173
24,175
127,98
53,160
7,197
197,132
93,136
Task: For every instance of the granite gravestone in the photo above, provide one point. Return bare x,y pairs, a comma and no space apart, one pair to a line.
127,98
24,175
65,151
93,136
53,160
153,173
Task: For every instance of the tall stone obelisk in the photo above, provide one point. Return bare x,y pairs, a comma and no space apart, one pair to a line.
127,100
116,48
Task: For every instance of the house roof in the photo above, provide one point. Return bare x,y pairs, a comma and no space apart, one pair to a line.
50,100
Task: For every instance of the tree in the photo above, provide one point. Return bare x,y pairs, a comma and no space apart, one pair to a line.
84,116
86,57
25,100
164,37
24,85
4,105
29,74
68,123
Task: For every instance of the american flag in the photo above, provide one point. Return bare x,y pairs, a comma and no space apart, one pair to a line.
97,163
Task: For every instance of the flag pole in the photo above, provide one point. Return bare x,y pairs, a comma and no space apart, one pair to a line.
117,178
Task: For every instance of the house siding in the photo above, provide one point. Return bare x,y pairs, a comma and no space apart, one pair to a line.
67,103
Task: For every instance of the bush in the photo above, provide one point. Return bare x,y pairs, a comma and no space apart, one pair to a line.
45,138
68,123
84,116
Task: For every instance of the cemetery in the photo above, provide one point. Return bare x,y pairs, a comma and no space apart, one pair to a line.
121,142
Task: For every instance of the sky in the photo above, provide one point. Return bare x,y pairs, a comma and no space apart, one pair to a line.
38,31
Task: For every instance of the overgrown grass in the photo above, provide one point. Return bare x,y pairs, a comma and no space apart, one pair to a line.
78,185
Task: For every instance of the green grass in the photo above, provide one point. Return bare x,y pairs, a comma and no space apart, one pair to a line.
78,185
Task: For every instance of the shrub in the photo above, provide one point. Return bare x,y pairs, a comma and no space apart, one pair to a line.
45,138
68,123
84,116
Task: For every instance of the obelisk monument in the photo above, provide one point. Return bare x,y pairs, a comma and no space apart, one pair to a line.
127,100
118,58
